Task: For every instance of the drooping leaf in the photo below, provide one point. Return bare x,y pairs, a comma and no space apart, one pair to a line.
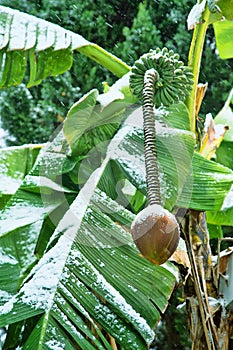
47,63
48,48
78,117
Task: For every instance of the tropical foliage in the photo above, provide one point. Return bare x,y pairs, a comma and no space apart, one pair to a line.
39,110
70,274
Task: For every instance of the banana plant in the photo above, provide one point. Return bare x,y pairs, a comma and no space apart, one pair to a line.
71,275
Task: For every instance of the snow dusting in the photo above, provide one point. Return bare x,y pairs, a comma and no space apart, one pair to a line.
110,293
208,120
42,181
228,201
5,296
47,34
109,97
6,258
55,345
39,291
23,215
154,210
8,184
113,296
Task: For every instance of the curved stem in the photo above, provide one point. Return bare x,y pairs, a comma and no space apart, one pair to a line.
151,159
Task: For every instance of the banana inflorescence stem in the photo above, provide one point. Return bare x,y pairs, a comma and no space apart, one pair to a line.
151,158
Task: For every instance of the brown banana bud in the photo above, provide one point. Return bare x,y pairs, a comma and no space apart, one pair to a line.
156,233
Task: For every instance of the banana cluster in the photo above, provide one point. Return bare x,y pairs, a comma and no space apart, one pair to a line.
174,80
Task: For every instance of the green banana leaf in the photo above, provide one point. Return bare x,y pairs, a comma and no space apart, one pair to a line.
89,113
96,279
226,7
209,182
23,217
225,117
223,33
86,270
91,273
68,264
15,162
224,154
47,47
224,216
187,179
215,231
98,221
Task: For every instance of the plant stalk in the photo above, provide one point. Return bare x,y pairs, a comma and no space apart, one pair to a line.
194,62
104,58
151,158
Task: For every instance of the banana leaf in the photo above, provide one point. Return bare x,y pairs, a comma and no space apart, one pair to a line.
223,34
16,162
207,186
87,279
47,48
187,179
91,275
23,216
224,216
91,279
225,117
224,154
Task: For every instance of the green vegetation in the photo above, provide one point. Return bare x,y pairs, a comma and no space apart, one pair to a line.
71,276
127,29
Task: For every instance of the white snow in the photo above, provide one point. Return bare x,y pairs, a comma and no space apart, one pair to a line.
117,299
208,120
39,291
55,345
228,201
111,294
6,258
155,211
47,33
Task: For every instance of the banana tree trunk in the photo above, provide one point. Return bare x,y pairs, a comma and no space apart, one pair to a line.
209,321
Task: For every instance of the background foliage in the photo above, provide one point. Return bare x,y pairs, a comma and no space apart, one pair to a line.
125,28
34,109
